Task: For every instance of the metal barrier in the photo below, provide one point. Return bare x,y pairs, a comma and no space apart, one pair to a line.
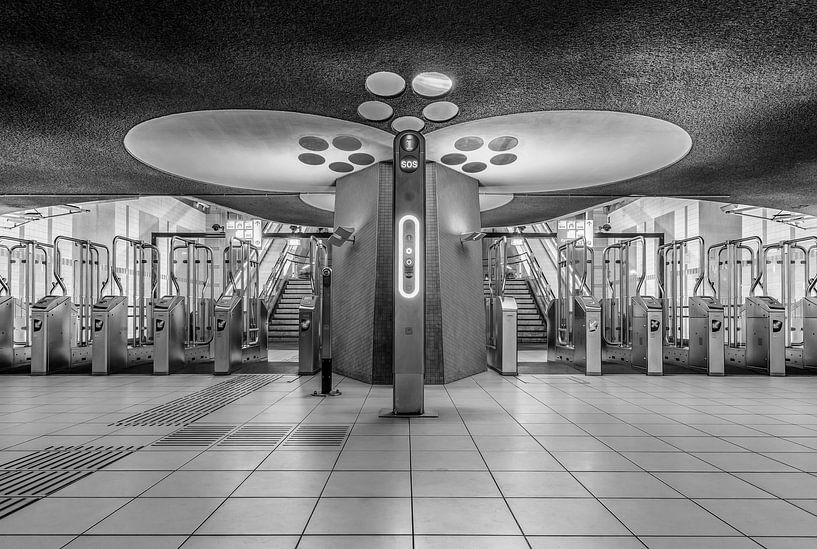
693,334
631,321
575,319
199,287
124,322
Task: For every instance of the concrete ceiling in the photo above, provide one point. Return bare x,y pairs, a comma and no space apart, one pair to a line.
739,77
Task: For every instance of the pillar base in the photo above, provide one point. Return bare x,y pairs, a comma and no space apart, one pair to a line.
389,412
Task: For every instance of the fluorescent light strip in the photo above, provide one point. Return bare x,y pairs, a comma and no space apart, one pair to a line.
401,267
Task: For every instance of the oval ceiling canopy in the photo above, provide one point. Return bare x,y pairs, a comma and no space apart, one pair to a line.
255,149
326,201
559,150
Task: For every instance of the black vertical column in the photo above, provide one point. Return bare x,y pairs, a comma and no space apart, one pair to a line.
409,272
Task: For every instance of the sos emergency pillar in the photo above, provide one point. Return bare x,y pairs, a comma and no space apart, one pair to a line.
409,275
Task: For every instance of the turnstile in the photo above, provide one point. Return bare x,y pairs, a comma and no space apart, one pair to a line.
706,334
229,330
502,352
647,337
52,335
6,332
309,343
765,341
809,304
587,334
110,347
170,330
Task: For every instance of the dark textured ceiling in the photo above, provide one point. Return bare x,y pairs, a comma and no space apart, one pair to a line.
738,76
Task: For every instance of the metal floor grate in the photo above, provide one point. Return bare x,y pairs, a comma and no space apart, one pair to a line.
317,435
194,406
257,435
195,435
35,476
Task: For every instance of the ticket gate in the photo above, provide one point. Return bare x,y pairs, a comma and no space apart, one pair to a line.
582,346
309,343
706,335
229,331
170,331
647,336
51,318
501,346
110,348
765,342
6,332
809,304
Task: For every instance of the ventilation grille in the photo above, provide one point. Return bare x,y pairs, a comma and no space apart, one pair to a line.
194,406
32,477
317,435
257,435
196,435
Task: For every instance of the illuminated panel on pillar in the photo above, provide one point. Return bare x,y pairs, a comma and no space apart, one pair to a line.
410,270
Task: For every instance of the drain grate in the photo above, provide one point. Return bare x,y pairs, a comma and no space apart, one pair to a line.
35,476
195,435
317,435
189,408
257,435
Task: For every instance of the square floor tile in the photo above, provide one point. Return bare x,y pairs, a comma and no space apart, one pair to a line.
432,443
521,461
582,542
637,444
153,461
158,516
565,517
743,463
539,484
712,485
241,542
447,461
361,516
369,484
667,517
486,516
34,542
197,484
669,461
470,542
112,484
373,461
763,517
299,460
465,484
259,516
355,542
381,443
625,485
699,542
60,515
595,461
283,484
127,542
585,443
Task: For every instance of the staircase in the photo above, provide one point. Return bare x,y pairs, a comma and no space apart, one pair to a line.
530,325
283,324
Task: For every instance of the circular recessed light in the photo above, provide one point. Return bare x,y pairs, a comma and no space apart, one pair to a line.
431,84
474,167
375,111
361,159
470,143
347,143
440,111
453,159
341,167
407,123
503,159
504,143
311,159
385,84
312,143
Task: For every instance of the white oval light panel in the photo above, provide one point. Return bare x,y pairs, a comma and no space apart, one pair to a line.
431,84
385,84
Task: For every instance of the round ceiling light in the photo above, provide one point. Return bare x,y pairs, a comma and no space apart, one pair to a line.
431,84
440,111
407,123
385,84
326,201
375,111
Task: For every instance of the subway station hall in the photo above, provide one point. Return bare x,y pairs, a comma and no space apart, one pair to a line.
408,275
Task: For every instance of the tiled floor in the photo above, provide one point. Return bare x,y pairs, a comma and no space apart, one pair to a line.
620,461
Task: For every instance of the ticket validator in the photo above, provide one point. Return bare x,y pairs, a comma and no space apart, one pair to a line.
409,276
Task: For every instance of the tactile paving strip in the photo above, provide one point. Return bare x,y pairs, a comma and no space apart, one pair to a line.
36,475
196,435
317,435
257,435
194,406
